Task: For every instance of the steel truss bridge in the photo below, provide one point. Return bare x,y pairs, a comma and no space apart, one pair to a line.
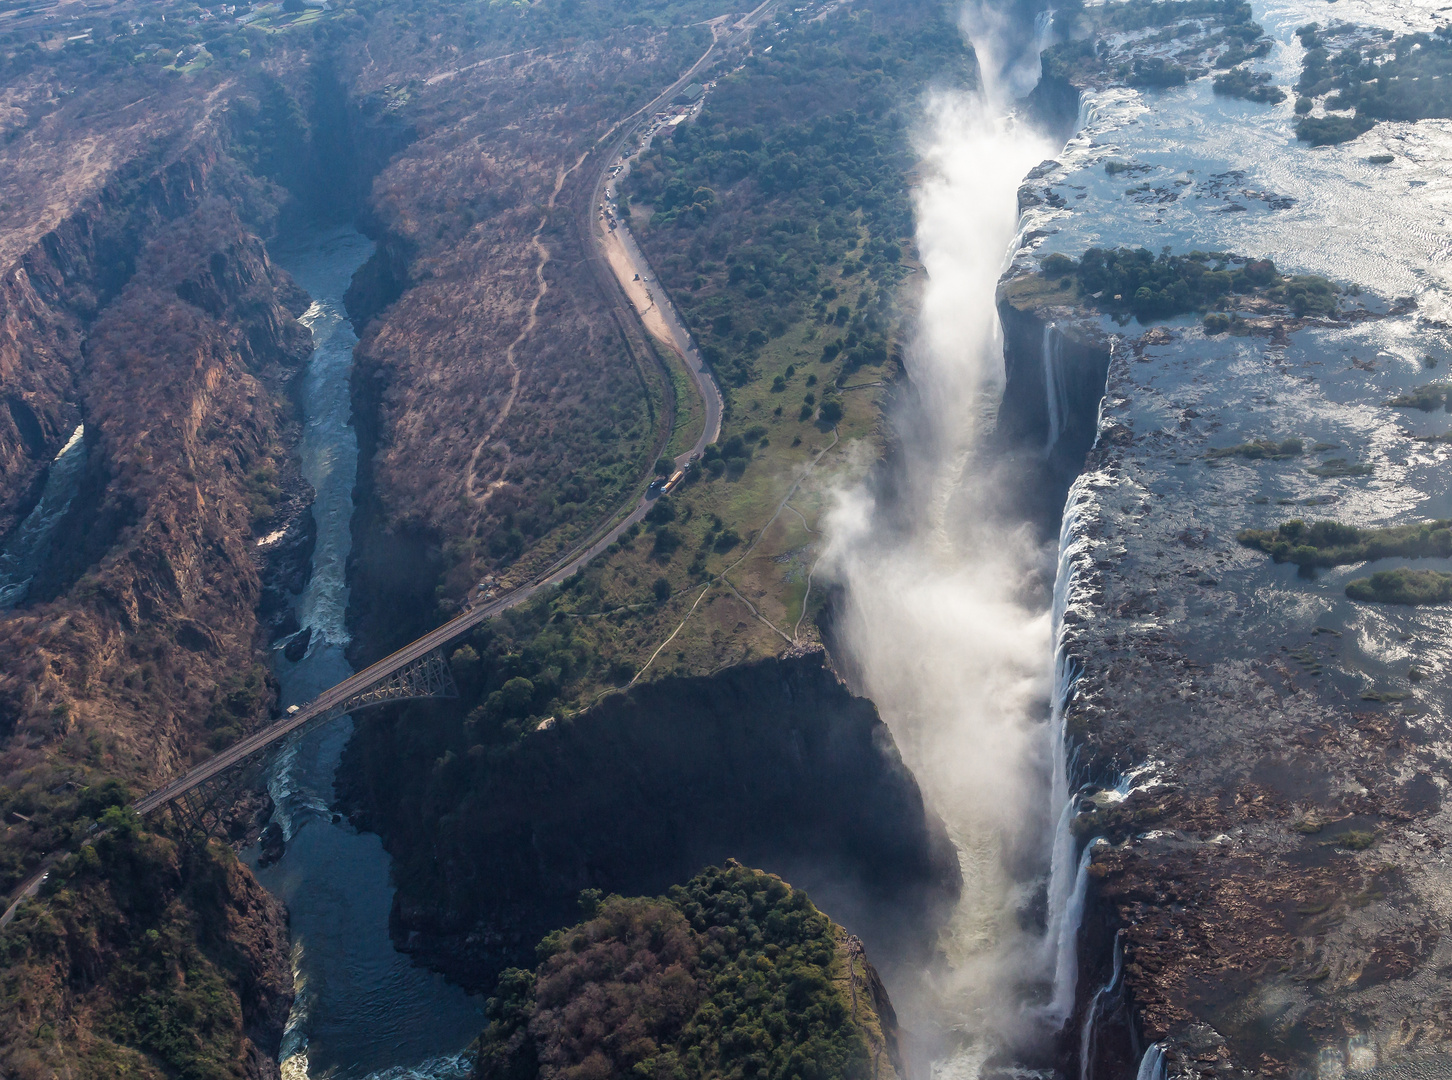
200,796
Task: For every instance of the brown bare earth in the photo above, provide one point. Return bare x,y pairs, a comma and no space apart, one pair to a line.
507,414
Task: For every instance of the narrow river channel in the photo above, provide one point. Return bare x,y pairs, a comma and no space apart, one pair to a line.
362,1009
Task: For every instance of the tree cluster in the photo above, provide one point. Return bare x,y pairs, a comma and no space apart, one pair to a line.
1134,282
795,171
729,976
1407,78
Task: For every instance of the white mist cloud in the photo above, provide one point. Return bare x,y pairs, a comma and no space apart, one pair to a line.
935,613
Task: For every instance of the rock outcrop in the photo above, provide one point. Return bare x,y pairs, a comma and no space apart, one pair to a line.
774,763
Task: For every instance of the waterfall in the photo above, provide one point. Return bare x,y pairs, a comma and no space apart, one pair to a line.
1068,877
1152,1065
1066,959
1043,30
25,550
1091,1016
1056,393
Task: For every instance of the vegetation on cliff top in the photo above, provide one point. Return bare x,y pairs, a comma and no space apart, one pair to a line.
1135,282
796,170
1402,587
141,960
1330,543
785,274
734,975
1241,82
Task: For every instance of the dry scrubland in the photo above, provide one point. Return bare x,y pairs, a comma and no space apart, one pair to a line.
138,295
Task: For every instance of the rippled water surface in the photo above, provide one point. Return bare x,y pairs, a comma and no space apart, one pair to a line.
362,1009
1226,174
1222,174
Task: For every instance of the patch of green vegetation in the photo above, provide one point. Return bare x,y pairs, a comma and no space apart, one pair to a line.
1218,32
261,493
794,174
1252,86
1340,467
1406,78
1135,282
1354,840
1305,294
1427,398
1402,586
1330,543
733,975
1261,450
1332,130
1153,72
1146,14
132,933
239,699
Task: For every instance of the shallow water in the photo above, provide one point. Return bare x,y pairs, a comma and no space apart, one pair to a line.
1229,175
362,1008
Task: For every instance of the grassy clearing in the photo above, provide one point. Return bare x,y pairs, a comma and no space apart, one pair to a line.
690,415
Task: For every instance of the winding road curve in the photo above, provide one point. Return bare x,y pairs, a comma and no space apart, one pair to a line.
664,324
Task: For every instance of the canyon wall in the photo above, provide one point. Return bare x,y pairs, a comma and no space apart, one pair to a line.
774,763
149,310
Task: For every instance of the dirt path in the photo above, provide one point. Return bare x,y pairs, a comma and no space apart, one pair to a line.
722,577
541,287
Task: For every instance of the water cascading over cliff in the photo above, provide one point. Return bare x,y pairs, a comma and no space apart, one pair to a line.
947,612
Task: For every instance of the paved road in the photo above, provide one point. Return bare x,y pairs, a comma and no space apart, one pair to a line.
675,337
678,338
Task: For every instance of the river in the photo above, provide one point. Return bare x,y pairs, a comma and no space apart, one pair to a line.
362,1008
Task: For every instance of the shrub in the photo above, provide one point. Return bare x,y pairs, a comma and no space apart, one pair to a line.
1252,86
1330,543
1402,587
1331,130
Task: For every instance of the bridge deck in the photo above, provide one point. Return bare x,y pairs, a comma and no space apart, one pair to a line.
329,699
378,672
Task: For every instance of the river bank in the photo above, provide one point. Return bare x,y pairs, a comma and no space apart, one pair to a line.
362,1009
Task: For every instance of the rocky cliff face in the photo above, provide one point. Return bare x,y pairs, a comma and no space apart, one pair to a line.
1054,367
151,312
774,763
500,416
149,958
